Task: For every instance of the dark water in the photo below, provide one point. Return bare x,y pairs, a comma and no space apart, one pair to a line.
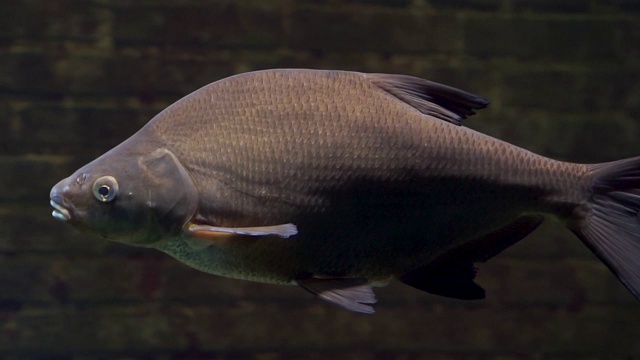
78,77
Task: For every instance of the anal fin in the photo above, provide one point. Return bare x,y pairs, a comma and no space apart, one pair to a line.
452,273
353,294
454,280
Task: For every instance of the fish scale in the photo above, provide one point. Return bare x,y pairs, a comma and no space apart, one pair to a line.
337,180
313,168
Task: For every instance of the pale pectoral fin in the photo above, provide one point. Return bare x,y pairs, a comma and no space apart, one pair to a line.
352,294
215,232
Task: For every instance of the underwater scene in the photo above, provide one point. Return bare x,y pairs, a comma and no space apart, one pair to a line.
320,179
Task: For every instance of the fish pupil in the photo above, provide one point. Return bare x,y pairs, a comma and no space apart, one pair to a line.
104,190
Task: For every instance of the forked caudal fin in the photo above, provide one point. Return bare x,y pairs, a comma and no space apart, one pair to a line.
611,227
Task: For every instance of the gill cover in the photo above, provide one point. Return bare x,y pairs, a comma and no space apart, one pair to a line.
171,193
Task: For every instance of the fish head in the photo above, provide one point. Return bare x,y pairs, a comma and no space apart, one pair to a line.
127,196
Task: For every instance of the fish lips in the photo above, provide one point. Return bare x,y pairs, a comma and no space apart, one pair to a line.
57,202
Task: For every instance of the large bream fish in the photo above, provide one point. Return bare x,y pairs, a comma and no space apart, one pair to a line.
337,181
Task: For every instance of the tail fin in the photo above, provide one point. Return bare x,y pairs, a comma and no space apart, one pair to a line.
612,228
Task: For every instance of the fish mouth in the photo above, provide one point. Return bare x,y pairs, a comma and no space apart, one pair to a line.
59,212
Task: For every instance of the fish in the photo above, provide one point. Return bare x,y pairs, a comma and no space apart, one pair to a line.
339,181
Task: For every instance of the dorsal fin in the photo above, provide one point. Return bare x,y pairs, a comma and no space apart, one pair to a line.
430,98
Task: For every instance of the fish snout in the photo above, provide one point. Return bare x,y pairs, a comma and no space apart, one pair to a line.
58,203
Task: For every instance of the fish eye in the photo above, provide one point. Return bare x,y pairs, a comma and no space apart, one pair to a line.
105,188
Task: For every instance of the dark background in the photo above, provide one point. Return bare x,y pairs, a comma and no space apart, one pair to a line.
78,77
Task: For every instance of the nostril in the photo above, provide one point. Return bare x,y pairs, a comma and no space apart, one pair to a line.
80,180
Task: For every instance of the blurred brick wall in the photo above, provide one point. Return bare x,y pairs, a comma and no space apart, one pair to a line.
78,77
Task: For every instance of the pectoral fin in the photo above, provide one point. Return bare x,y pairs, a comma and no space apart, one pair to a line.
352,294
215,232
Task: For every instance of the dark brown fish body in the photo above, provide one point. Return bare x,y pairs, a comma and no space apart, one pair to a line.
357,167
379,179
